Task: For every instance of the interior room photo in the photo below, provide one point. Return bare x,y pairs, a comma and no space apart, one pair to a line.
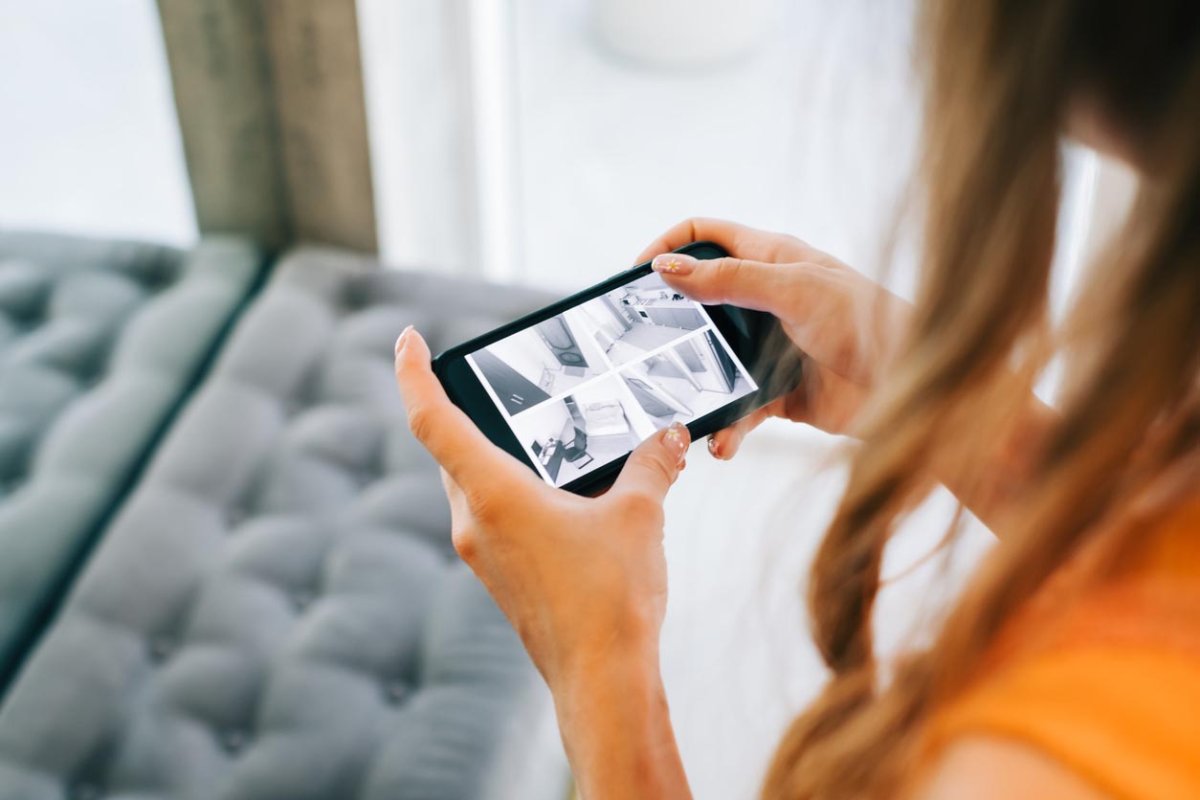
687,380
226,561
585,430
639,317
538,363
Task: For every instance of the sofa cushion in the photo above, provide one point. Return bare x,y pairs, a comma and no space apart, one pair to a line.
276,612
99,341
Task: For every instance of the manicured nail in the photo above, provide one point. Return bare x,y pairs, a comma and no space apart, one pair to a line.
673,263
677,440
402,339
714,447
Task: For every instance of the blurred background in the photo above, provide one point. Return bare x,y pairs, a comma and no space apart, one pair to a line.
524,140
543,144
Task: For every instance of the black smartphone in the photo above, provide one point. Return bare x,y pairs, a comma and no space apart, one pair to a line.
571,389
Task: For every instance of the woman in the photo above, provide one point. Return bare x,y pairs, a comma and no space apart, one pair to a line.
1070,666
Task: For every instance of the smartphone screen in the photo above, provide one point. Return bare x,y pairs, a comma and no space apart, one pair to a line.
582,388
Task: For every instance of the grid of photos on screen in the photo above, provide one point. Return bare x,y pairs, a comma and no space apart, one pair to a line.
583,388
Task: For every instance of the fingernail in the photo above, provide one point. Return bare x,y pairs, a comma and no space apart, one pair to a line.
677,439
714,447
402,339
673,263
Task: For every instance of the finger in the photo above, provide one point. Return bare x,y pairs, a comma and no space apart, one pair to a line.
725,443
741,240
695,229
751,284
445,431
655,464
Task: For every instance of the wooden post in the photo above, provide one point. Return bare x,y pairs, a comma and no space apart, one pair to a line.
269,95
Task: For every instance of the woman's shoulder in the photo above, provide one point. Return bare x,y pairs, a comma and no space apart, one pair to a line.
1152,599
1123,718
1114,694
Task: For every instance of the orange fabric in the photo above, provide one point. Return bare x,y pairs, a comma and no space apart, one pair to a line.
1113,692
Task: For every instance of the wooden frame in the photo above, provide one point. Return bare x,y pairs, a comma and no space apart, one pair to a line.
269,95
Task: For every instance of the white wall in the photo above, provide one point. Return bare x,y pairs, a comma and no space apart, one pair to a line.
547,420
526,353
600,318
89,143
416,69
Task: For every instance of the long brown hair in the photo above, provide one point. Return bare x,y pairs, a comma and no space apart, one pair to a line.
1002,77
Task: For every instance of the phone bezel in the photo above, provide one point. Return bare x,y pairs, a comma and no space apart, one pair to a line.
745,330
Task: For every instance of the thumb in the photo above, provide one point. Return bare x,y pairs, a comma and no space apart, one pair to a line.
749,284
655,464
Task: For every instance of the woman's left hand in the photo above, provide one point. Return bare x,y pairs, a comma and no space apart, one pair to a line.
581,579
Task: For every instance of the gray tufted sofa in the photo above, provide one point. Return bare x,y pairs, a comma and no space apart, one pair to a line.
276,612
99,342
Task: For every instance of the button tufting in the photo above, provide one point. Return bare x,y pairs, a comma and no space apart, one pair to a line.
234,740
91,378
161,647
302,599
235,517
85,791
355,295
395,692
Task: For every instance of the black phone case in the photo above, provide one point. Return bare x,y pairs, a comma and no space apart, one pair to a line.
745,330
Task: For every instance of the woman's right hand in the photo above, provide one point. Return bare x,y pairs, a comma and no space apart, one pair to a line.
843,323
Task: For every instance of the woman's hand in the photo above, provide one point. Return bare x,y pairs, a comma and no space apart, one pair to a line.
583,581
846,328
843,323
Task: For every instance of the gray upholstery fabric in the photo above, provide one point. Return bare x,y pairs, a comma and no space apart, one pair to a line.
276,613
98,343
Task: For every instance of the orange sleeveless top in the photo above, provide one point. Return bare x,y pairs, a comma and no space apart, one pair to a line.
1114,693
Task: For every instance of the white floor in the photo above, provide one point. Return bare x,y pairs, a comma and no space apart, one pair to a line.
736,655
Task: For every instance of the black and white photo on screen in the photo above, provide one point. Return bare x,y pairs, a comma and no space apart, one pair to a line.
540,362
572,436
687,380
637,318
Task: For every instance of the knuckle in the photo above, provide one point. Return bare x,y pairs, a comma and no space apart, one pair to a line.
465,541
420,422
658,464
728,270
662,466
795,244
846,353
640,507
487,506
